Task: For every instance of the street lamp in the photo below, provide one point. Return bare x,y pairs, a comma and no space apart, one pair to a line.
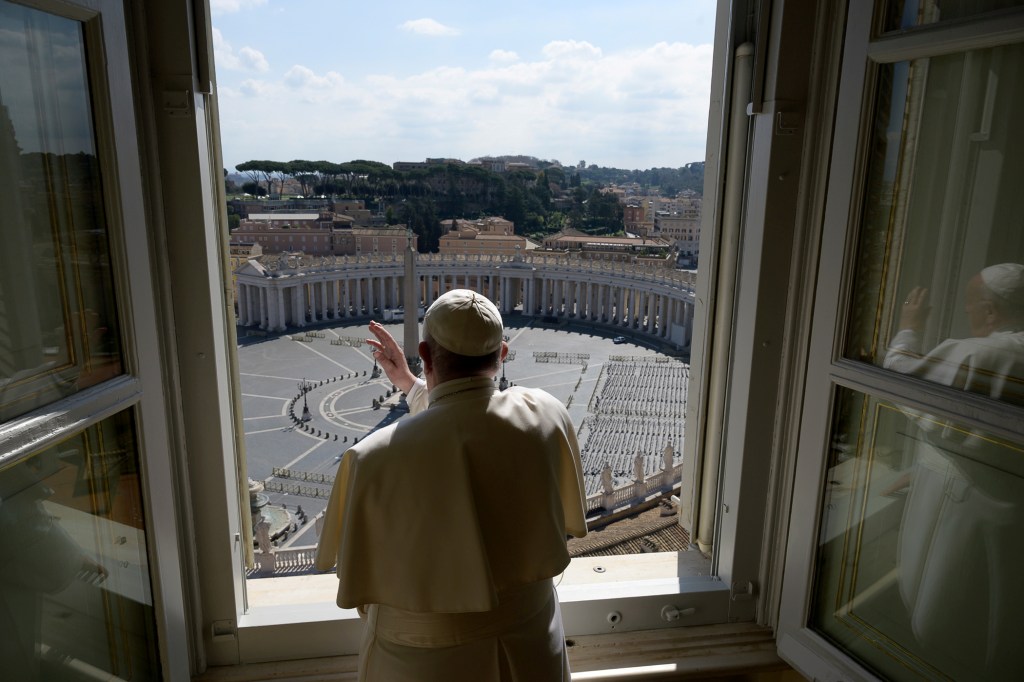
304,387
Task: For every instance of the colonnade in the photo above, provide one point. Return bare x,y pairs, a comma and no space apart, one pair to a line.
648,301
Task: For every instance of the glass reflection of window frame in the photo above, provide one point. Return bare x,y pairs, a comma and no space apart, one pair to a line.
892,212
62,217
862,410
929,12
71,484
846,594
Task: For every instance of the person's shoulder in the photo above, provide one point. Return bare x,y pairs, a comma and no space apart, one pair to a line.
402,435
537,398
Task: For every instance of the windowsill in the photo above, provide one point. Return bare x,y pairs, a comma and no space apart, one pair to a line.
734,649
311,598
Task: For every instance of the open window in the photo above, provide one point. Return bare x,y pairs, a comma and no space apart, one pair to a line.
909,473
91,578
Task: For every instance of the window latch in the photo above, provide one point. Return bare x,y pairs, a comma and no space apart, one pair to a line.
742,591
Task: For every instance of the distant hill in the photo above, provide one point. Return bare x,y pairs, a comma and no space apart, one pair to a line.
667,181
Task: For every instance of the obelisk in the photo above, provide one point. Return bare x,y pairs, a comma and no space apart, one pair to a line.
411,301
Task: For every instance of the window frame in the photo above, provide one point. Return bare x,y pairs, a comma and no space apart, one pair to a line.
188,215
828,371
141,386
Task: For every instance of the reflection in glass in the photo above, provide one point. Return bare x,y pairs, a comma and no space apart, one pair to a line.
58,325
920,558
75,596
904,14
939,285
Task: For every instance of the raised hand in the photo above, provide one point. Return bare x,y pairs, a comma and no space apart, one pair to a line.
914,312
390,357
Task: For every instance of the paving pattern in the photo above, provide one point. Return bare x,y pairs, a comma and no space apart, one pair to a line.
346,401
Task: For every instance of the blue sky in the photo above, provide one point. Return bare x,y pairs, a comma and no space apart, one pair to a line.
622,84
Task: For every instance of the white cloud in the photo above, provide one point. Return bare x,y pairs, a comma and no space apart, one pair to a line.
571,48
230,6
246,59
254,88
428,27
503,56
316,87
253,59
636,109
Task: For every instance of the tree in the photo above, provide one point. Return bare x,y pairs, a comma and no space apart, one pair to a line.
305,173
254,189
256,172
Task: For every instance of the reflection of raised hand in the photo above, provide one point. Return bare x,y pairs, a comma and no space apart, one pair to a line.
389,355
91,572
915,310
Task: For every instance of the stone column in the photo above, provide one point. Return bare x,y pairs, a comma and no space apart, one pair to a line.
244,304
261,302
278,299
297,308
269,309
687,323
241,301
663,318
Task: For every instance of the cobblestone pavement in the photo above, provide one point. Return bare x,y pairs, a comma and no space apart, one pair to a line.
343,390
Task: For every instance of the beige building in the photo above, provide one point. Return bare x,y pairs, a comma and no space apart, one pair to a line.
490,236
319,234
238,254
615,249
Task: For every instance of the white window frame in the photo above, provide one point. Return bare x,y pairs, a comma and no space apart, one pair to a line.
827,371
143,385
187,213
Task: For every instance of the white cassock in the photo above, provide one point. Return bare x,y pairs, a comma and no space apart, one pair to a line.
447,528
961,555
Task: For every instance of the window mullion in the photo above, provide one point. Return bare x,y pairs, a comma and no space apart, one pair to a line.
979,410
44,427
940,39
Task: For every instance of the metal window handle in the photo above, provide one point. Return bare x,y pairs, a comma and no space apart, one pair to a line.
670,613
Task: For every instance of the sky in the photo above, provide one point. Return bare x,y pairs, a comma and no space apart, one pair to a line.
612,83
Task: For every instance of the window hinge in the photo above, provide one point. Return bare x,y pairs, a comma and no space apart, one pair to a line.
222,630
743,591
176,103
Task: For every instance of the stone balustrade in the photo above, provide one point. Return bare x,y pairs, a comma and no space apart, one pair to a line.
301,559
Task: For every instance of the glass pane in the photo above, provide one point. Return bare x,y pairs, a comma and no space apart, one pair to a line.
904,14
58,325
919,561
75,597
939,285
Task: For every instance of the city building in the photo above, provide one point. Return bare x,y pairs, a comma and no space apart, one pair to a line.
293,291
319,234
856,150
240,252
487,236
653,251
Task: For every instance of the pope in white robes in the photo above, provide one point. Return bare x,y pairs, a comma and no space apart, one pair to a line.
447,527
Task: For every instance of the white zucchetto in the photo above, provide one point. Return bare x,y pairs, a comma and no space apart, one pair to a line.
1005,280
464,322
